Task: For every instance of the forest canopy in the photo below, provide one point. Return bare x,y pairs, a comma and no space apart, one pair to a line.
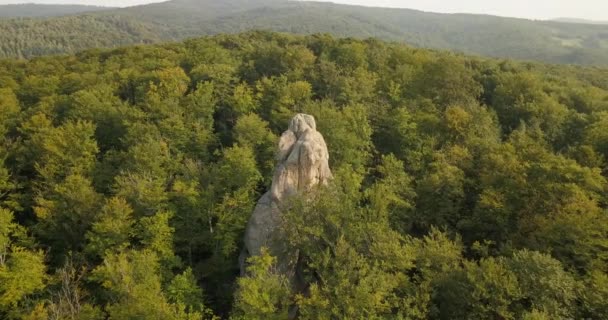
465,188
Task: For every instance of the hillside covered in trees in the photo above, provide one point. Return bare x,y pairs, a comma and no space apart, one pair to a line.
464,188
44,10
547,41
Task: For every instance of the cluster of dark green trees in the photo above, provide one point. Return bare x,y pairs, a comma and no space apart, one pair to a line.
465,188
547,41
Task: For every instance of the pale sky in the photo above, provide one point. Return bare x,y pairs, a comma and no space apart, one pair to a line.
532,9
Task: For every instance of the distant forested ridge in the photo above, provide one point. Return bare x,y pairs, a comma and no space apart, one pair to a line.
464,187
583,21
44,10
547,41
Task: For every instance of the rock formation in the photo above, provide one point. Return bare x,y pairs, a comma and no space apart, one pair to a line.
302,163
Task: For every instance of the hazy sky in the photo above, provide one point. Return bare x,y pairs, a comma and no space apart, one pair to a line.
533,9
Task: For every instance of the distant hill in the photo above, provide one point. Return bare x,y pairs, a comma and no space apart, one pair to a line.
577,20
44,10
547,41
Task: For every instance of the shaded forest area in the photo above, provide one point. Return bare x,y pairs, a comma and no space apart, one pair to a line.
465,188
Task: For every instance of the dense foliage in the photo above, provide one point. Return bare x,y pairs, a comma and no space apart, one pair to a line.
547,41
464,188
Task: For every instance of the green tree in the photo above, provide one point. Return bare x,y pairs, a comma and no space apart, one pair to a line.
544,284
392,194
280,99
65,213
67,150
235,178
264,293
347,133
113,230
494,288
132,279
9,111
447,81
440,195
594,293
101,106
519,98
253,132
22,271
183,290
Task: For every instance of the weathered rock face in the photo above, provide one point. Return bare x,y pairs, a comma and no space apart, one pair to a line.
302,163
